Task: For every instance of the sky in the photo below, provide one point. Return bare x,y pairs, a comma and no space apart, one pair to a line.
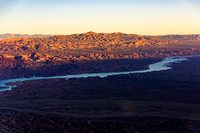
144,17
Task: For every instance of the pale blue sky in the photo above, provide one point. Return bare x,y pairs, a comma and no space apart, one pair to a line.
77,16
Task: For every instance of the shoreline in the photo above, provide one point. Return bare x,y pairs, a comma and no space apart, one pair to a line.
159,66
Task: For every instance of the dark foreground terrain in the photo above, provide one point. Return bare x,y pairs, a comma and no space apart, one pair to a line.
165,101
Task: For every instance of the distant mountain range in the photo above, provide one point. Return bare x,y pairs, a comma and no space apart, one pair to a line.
95,46
8,35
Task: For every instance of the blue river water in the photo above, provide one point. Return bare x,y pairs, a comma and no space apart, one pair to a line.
159,66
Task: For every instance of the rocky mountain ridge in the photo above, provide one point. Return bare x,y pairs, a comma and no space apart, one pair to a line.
92,46
25,54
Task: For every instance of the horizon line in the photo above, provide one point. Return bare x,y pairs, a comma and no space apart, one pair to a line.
101,33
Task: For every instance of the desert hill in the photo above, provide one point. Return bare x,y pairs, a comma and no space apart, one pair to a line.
37,52
92,45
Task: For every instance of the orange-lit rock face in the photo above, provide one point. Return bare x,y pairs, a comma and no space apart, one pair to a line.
96,46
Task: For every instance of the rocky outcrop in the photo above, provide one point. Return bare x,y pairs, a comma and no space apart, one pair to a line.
96,46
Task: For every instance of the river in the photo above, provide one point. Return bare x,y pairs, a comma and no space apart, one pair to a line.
159,66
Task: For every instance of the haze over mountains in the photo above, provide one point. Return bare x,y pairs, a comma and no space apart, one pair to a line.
8,35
